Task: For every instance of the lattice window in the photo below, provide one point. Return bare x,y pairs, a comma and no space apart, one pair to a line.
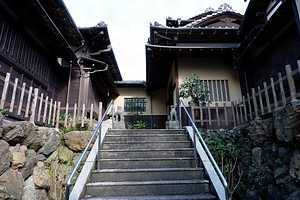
135,104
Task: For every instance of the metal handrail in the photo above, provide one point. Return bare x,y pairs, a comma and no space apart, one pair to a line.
96,132
207,151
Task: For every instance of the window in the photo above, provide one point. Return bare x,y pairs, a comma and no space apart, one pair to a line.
134,104
219,90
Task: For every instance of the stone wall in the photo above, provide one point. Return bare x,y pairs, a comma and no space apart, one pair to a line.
35,161
270,156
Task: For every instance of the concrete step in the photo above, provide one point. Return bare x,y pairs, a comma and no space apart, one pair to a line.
146,145
147,137
137,188
152,174
156,197
145,131
138,163
148,153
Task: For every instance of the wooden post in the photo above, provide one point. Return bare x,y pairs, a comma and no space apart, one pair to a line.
21,98
100,112
225,114
254,102
13,98
50,111
74,115
249,104
66,115
274,93
241,111
40,107
193,111
54,112
28,102
82,116
217,113
291,82
58,114
281,89
260,101
4,92
237,113
34,104
45,109
209,114
91,114
267,97
245,109
233,113
201,114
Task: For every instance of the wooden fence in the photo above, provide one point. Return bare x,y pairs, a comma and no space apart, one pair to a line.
27,103
261,101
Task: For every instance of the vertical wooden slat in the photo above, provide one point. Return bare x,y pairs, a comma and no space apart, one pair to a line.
281,89
54,112
237,114
74,115
274,93
225,114
4,91
21,98
267,97
82,116
28,102
209,113
291,82
241,111
201,114
13,98
34,104
100,112
254,102
233,113
50,111
45,109
260,101
217,113
91,114
66,115
58,114
245,109
249,105
40,107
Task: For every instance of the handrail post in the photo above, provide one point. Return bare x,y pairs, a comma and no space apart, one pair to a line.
99,146
195,148
180,116
113,116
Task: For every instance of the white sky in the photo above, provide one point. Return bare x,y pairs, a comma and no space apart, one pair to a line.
128,23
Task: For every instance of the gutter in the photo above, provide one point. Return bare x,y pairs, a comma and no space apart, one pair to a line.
48,19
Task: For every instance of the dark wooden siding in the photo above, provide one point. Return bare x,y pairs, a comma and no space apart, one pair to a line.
24,59
285,50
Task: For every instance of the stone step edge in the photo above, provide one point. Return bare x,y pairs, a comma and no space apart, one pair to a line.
146,170
139,150
145,142
139,183
146,159
204,196
147,135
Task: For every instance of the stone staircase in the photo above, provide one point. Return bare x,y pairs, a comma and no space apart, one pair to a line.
147,164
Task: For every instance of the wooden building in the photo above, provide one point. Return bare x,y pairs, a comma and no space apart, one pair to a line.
249,63
43,51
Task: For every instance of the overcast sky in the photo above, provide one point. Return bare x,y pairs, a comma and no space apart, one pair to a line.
128,24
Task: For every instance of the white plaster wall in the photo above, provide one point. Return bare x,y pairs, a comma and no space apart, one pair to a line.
210,68
158,99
